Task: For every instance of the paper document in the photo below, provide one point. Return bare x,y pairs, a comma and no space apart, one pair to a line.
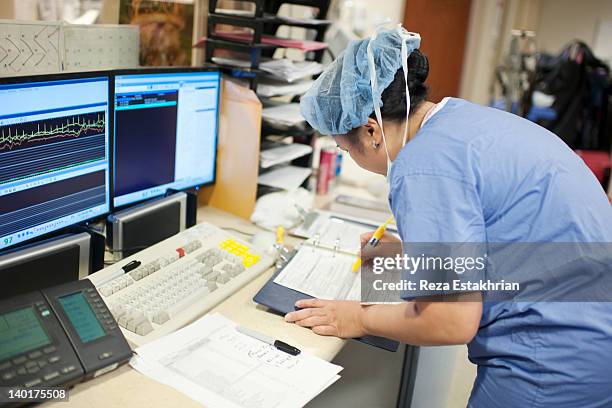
283,154
286,178
280,69
332,232
303,45
270,88
282,19
291,71
235,12
322,273
287,114
294,20
213,363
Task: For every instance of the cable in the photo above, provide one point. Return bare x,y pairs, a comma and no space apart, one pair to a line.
250,234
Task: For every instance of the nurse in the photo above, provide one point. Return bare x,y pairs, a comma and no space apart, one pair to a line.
460,172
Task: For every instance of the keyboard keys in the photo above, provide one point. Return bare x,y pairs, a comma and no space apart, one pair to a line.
173,277
133,323
137,274
51,376
68,369
161,317
32,383
144,328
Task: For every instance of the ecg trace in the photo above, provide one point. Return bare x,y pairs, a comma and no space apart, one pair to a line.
31,134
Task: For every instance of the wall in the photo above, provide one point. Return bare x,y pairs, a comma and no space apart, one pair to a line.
486,17
18,9
561,21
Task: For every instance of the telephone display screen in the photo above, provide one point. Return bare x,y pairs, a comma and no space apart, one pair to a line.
20,332
82,317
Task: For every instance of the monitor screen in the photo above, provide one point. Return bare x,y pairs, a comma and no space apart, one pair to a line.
165,133
54,155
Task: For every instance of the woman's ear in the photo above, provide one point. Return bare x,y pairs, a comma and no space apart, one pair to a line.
374,132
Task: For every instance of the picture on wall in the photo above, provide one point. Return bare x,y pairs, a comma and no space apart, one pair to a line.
166,30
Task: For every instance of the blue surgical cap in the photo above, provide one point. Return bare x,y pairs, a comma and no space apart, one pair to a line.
341,98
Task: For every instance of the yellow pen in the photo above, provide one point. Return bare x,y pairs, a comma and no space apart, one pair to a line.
280,235
374,240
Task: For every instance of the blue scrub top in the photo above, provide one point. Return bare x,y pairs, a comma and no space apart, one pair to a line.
477,174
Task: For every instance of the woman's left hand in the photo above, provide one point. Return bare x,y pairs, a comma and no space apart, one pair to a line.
340,318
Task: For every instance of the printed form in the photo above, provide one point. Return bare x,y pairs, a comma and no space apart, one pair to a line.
322,273
332,232
213,363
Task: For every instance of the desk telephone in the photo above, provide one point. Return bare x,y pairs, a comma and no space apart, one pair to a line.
58,337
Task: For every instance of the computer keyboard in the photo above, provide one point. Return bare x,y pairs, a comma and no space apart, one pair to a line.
177,280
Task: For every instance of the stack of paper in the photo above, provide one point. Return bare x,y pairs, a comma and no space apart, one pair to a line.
295,20
283,154
291,71
211,362
303,45
281,19
285,178
269,88
281,69
286,115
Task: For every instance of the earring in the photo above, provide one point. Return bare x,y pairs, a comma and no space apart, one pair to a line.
374,145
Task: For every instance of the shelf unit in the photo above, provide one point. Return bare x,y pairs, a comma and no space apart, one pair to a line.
264,21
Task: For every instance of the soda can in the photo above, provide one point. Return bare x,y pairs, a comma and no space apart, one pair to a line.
327,169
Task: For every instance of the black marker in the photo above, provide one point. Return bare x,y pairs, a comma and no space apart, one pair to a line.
280,345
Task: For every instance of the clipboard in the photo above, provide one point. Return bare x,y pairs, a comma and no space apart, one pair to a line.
282,299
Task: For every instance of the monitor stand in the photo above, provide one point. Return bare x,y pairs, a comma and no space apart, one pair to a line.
49,262
136,228
192,206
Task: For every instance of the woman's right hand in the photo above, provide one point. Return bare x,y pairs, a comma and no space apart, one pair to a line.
367,252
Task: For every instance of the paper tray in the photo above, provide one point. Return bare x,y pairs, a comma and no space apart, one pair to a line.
282,299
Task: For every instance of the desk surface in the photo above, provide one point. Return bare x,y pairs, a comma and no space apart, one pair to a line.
126,387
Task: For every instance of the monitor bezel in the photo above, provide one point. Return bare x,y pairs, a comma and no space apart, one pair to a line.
64,76
159,70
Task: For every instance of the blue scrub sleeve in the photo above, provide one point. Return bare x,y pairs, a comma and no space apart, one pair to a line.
439,216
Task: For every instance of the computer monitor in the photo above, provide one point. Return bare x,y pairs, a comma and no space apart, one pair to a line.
54,153
165,131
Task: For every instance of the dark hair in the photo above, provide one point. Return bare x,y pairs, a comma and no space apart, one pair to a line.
394,96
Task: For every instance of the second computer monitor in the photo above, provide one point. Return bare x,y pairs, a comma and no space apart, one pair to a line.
165,132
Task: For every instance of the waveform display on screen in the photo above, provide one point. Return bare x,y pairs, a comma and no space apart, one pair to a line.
34,148
29,134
